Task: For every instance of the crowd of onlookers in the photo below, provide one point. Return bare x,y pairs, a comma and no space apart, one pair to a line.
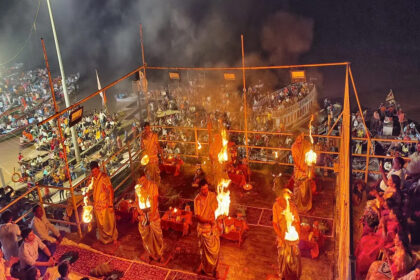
263,102
23,96
388,121
27,250
390,222
49,167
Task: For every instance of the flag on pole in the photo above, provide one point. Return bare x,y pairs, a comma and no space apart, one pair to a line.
102,93
390,97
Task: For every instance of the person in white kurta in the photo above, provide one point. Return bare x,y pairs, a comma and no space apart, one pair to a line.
42,226
9,236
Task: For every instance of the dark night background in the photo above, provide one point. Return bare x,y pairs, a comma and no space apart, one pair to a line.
380,38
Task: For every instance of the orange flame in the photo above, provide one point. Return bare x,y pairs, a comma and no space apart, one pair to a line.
310,157
291,233
144,160
87,209
87,214
223,155
144,202
223,198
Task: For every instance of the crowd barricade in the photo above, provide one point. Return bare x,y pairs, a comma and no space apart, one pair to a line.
201,153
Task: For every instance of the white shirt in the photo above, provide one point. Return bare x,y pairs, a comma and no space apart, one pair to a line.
400,173
9,236
28,252
42,228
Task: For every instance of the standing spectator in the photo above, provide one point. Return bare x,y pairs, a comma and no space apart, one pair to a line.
376,124
397,169
20,157
401,119
9,235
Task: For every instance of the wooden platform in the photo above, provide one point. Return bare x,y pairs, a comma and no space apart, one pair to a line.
256,258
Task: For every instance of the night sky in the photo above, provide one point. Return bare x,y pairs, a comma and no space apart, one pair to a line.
380,38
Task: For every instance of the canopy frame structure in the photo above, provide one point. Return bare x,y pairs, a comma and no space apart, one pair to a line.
344,267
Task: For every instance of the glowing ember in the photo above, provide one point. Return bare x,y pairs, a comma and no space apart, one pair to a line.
199,145
247,187
223,155
170,157
144,160
144,202
291,233
223,198
175,210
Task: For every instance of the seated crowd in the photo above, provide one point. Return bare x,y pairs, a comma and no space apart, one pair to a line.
27,253
25,92
49,167
390,224
173,109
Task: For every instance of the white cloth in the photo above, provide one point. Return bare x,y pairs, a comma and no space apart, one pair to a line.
42,228
415,156
400,173
9,236
28,252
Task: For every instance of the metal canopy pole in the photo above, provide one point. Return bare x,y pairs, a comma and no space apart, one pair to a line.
63,81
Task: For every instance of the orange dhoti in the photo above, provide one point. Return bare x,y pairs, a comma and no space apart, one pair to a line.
150,146
302,174
289,260
103,197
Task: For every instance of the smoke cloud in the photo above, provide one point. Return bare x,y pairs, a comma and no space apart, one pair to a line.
105,34
285,37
